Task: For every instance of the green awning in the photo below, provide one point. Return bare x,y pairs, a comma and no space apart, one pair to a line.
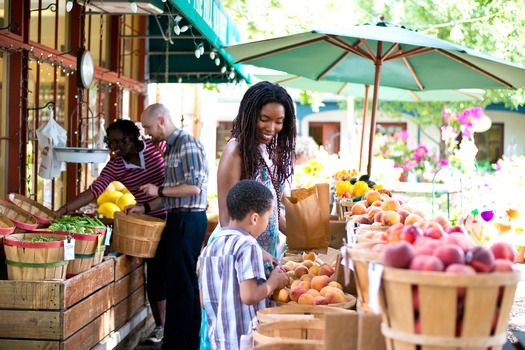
171,54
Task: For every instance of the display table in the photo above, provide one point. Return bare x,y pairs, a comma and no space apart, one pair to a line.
73,314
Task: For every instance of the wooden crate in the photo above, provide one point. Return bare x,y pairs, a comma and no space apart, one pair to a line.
73,314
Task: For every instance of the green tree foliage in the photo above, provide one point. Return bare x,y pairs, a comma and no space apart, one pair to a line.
496,27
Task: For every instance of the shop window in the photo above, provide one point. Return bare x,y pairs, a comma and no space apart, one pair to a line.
326,134
490,144
98,29
3,122
48,24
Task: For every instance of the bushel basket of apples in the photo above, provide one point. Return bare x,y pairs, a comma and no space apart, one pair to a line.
446,293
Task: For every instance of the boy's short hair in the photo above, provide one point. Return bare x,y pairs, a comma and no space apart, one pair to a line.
248,196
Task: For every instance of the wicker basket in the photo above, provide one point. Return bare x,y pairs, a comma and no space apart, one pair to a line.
136,235
289,346
6,225
42,214
21,218
361,257
295,311
451,312
300,331
35,261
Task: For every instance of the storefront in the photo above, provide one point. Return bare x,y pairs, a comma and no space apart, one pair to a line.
131,44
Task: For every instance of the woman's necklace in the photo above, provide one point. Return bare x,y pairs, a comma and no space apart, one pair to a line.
275,183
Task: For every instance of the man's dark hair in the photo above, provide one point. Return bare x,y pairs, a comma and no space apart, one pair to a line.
248,196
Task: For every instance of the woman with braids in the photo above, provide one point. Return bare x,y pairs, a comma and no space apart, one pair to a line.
134,162
261,148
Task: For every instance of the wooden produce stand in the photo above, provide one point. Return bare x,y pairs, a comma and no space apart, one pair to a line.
77,313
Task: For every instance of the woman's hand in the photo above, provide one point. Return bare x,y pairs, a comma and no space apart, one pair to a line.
150,189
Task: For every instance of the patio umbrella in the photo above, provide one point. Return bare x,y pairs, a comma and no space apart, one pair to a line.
381,54
386,93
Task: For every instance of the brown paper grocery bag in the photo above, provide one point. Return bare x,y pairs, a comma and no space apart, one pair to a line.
341,331
308,219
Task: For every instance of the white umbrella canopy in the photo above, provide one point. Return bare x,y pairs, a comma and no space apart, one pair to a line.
382,55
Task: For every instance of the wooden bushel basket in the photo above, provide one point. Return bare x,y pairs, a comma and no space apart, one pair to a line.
289,346
41,213
295,311
361,258
451,312
35,261
101,248
85,249
298,331
136,235
21,218
6,226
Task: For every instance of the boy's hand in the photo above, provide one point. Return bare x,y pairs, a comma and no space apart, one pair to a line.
279,278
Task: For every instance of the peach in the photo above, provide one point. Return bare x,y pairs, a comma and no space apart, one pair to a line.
443,221
391,217
372,211
372,196
377,204
403,215
320,300
412,218
306,277
481,259
301,270
361,219
406,207
358,209
291,274
425,246
393,232
314,270
325,290
335,296
397,254
378,217
420,213
502,265
313,292
326,270
450,254
305,284
306,299
296,292
426,263
308,263
391,204
410,233
336,285
295,283
291,264
503,250
318,282
285,268
281,295
456,228
309,256
458,239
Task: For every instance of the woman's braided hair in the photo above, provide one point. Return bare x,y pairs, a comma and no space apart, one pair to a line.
281,149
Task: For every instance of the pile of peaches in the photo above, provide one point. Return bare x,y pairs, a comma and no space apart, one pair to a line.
311,283
381,209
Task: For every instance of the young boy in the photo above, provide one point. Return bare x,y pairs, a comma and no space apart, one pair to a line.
232,278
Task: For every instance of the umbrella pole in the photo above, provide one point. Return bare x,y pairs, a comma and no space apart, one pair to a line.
377,80
365,109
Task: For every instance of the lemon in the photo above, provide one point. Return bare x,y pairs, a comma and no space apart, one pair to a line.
118,186
125,200
108,209
110,188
